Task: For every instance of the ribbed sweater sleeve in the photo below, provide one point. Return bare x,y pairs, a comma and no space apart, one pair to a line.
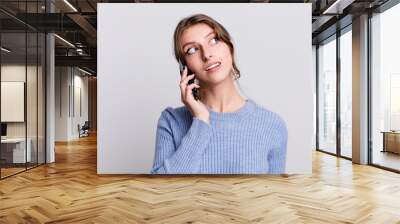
184,158
277,154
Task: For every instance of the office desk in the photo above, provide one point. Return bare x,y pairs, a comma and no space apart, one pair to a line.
15,148
391,141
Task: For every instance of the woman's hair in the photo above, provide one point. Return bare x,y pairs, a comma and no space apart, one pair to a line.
221,33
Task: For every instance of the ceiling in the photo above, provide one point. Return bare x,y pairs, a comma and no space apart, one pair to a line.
76,22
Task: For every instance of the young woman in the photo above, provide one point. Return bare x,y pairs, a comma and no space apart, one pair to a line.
219,132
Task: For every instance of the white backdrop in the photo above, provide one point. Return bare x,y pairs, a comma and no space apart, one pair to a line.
138,76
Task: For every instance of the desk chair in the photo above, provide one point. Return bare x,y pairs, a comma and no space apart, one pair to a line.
84,130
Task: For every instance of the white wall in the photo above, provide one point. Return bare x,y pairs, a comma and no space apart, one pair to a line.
314,74
61,103
80,84
68,81
273,52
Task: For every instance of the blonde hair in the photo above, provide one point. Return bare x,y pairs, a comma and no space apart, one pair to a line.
221,33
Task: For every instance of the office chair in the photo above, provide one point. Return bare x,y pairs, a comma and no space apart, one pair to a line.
84,130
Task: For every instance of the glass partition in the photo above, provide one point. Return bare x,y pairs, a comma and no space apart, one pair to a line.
22,77
41,91
13,94
32,95
327,96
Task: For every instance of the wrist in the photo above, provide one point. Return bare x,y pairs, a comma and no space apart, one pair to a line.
204,118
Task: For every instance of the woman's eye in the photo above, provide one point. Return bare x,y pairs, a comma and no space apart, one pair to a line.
214,40
191,50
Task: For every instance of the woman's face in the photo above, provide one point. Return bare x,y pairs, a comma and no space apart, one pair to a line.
208,57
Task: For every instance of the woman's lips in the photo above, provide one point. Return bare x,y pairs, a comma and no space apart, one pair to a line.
214,67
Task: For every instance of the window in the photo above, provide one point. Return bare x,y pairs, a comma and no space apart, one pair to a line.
327,96
346,93
385,88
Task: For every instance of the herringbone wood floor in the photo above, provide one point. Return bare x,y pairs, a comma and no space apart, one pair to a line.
70,191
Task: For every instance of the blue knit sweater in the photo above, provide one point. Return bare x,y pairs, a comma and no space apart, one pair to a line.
251,140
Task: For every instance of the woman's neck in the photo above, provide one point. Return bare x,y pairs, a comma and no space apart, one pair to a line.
224,98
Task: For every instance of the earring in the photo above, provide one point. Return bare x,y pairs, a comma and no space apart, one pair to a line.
235,74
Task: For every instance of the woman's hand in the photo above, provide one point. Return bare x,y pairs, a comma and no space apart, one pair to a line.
196,107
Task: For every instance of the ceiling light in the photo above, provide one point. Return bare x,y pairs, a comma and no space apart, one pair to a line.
64,40
338,6
84,71
70,5
5,49
331,7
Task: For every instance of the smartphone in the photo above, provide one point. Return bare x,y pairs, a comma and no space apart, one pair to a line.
195,91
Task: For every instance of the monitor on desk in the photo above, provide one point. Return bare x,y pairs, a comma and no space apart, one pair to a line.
3,130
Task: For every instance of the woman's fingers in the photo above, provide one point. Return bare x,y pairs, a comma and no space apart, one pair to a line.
187,89
184,83
187,78
184,72
189,92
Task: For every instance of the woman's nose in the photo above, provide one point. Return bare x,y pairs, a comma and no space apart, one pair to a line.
207,54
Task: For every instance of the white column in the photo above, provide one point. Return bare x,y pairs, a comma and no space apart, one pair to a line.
50,110
50,92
